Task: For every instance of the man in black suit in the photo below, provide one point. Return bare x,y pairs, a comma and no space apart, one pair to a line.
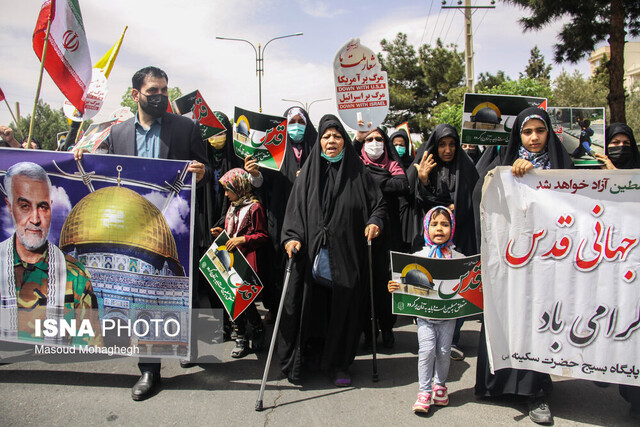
155,133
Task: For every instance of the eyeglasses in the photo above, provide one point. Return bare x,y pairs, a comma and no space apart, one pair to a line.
373,138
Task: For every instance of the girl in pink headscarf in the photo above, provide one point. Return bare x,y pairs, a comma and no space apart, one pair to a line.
247,229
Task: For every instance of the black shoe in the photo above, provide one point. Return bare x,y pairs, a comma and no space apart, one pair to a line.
258,338
185,364
539,411
456,353
388,340
146,386
241,349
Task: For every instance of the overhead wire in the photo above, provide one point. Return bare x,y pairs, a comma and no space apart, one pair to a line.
426,22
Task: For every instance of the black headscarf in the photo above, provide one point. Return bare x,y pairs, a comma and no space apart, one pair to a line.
558,155
630,161
451,182
330,205
407,158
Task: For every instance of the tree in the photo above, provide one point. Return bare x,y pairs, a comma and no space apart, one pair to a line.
46,125
589,22
536,68
127,100
488,80
572,90
633,108
418,82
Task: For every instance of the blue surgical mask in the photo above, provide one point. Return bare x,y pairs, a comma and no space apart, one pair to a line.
296,131
401,150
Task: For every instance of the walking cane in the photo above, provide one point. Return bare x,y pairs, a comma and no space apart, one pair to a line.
373,317
275,330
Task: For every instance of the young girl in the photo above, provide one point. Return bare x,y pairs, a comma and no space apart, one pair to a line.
434,336
247,229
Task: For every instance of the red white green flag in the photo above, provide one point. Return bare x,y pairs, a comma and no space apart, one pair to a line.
260,136
210,125
67,61
230,276
1,95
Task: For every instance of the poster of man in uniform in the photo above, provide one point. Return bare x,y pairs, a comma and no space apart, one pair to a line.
118,231
487,119
435,288
560,272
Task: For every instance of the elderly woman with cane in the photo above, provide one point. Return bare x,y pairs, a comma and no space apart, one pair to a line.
334,209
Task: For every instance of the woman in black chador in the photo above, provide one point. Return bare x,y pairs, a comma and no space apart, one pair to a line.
274,194
532,145
334,205
443,175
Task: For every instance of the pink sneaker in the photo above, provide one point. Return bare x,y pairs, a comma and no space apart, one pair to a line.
423,403
440,395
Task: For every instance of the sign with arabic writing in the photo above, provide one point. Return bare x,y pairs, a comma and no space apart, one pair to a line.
436,288
362,90
230,276
561,261
487,119
261,136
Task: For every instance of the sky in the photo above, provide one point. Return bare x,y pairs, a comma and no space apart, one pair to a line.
180,38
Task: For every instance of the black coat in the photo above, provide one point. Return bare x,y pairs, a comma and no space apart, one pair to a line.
515,381
437,192
633,161
330,205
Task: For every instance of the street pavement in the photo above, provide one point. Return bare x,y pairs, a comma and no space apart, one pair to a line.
98,393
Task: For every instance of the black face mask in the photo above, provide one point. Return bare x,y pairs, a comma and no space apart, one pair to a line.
156,105
619,155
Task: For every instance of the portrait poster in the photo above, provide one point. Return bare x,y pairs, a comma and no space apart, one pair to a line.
230,276
436,288
124,224
362,88
560,263
487,119
260,136
566,125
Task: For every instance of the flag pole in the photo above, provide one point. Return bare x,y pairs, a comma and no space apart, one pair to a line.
35,104
14,119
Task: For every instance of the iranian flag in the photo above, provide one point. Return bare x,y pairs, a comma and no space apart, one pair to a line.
67,59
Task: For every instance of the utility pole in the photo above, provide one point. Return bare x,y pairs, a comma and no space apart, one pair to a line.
468,40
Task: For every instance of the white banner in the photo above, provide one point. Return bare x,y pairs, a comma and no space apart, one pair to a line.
560,264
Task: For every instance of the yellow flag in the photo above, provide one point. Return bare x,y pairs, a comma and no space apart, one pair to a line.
106,62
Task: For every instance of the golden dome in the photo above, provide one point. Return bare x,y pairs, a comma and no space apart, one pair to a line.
117,215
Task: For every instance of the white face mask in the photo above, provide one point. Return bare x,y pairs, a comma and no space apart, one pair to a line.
374,149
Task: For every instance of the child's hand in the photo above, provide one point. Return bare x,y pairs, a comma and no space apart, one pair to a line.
520,167
215,232
234,242
393,286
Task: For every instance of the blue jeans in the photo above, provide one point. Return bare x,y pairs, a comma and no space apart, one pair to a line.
434,352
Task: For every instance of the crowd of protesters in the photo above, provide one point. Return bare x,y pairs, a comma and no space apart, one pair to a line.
332,198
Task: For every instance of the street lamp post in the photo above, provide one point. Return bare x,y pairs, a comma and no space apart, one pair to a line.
259,59
307,106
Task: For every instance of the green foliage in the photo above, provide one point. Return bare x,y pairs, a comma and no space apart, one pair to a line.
572,90
587,23
523,87
536,68
449,113
46,125
633,110
487,80
127,100
419,81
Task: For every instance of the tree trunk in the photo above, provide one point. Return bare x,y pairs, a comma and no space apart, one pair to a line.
617,34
